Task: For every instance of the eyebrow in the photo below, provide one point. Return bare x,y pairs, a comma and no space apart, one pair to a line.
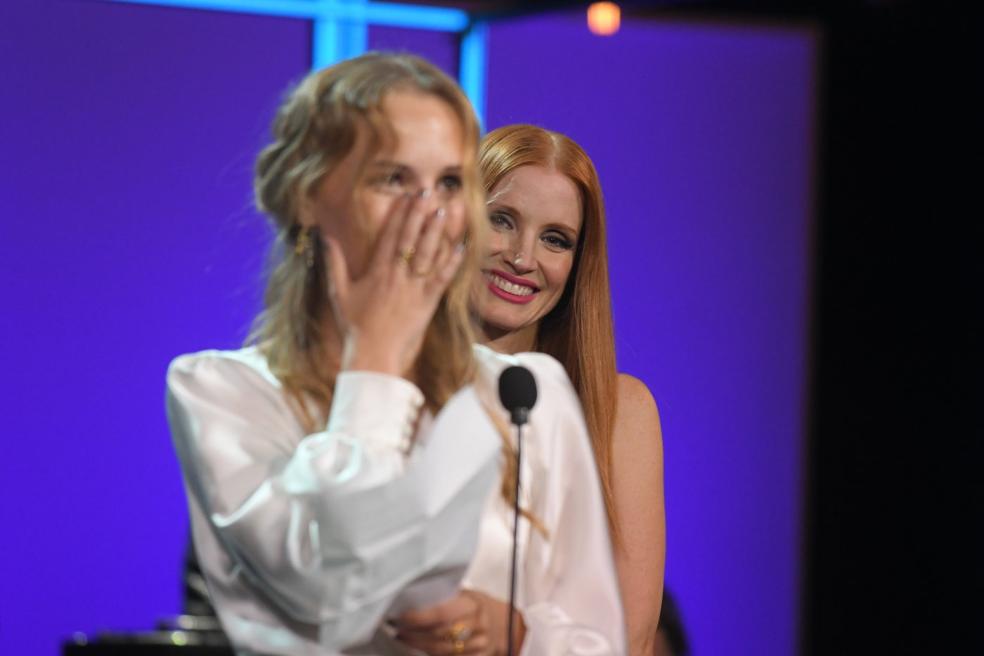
390,164
508,209
387,164
564,228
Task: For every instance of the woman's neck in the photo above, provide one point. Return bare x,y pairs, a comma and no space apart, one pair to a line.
510,341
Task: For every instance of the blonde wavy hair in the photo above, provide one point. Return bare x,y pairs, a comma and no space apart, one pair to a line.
578,331
314,129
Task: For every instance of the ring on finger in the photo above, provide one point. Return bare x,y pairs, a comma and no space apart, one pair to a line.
406,254
462,631
459,632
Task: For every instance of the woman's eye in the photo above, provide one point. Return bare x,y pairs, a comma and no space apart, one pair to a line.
557,242
500,221
450,183
391,182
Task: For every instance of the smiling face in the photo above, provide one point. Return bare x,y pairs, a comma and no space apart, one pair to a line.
536,218
423,153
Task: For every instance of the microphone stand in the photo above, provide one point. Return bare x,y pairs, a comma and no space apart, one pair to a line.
519,418
517,392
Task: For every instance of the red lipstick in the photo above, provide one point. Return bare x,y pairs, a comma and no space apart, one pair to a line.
515,279
508,296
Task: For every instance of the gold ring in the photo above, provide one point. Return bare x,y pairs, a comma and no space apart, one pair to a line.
459,632
407,254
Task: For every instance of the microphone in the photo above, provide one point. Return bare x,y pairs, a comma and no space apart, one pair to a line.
517,393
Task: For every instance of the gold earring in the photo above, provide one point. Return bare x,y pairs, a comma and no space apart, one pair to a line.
304,247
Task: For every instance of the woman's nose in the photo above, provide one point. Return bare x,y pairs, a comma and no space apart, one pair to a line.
519,256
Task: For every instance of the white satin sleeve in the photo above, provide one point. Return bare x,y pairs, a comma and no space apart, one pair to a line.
571,605
330,527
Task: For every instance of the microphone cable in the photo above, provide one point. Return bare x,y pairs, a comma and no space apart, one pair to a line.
517,392
515,541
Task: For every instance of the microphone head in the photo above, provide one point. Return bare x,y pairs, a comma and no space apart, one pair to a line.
517,392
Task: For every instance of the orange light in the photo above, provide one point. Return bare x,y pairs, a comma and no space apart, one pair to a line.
604,18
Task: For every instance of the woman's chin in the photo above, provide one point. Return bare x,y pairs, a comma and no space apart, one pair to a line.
495,324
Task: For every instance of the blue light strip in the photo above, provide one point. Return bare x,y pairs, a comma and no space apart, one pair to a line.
472,66
335,39
354,36
340,29
441,19
289,8
325,49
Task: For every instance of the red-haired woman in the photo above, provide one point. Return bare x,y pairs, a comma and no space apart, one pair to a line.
545,288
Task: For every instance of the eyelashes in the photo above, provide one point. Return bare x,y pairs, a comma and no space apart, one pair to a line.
553,239
451,183
558,241
500,221
399,180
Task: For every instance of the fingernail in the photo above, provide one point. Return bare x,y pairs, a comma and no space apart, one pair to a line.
439,213
424,193
460,248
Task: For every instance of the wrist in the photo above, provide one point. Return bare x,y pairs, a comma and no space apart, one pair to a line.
361,358
375,364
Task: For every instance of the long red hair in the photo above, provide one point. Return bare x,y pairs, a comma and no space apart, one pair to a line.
578,331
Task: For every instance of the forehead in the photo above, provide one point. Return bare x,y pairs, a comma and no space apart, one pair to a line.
540,194
421,125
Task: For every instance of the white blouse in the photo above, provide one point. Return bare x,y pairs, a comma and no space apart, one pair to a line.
309,543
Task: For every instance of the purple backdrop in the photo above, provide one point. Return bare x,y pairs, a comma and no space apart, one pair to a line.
702,135
128,136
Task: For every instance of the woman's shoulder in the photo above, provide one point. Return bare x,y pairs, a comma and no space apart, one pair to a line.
633,394
216,369
546,370
637,416
248,357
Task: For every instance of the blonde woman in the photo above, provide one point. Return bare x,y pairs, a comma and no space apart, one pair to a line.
346,468
545,288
